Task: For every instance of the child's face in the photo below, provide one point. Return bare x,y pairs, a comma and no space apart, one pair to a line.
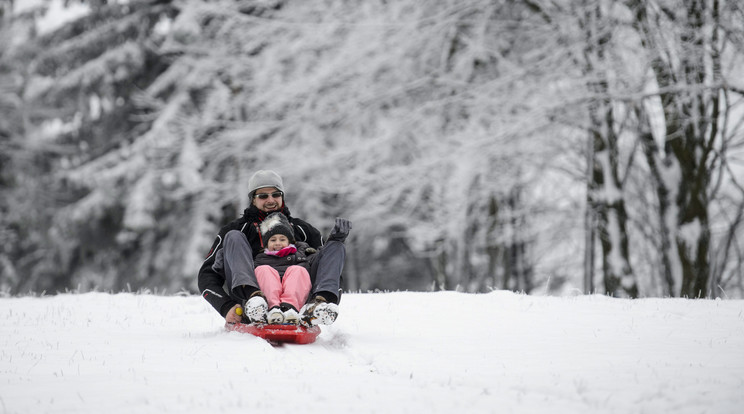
277,242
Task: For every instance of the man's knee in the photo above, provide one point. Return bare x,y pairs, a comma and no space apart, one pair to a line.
236,240
334,247
235,236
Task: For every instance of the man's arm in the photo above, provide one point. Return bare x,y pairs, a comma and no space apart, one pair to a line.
307,233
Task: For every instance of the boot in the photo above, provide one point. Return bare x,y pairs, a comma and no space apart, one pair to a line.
255,308
275,316
291,315
319,312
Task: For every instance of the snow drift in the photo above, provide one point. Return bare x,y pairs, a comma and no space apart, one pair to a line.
394,352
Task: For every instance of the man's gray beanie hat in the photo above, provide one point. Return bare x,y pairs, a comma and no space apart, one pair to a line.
264,179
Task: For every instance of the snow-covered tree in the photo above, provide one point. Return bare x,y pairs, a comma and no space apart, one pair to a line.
693,50
74,86
452,133
661,78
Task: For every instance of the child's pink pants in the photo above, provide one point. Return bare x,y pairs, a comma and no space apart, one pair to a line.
293,288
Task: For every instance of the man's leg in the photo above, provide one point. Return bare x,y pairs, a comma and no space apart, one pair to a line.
325,271
238,258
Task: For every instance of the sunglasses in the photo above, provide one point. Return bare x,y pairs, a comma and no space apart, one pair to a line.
264,196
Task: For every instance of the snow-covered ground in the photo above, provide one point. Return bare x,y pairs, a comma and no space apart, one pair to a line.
387,353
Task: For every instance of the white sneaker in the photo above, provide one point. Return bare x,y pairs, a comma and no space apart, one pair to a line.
275,316
255,309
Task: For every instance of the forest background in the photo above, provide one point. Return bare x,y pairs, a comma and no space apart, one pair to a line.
530,145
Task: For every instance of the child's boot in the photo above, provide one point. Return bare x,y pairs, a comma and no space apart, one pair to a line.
275,315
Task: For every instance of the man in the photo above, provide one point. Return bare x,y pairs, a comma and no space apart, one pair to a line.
227,279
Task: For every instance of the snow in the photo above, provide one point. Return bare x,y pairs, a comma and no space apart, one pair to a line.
437,352
58,14
26,6
691,234
610,193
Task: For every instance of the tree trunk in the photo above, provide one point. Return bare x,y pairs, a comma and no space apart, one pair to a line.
690,130
590,221
652,152
606,192
493,247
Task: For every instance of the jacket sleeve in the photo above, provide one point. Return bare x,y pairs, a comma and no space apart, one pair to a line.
211,283
307,233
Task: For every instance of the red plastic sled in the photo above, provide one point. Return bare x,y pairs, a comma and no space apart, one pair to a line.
278,333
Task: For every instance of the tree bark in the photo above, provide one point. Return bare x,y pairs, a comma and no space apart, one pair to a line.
690,130
605,188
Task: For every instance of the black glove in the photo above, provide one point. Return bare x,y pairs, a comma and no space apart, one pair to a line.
340,230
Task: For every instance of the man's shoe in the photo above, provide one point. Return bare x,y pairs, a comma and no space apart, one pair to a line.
319,312
255,308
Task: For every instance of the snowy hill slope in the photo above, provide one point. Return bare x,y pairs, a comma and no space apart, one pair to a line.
396,352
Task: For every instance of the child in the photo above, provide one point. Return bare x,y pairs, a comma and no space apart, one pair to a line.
282,270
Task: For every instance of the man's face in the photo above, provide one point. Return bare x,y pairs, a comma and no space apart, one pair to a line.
268,199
